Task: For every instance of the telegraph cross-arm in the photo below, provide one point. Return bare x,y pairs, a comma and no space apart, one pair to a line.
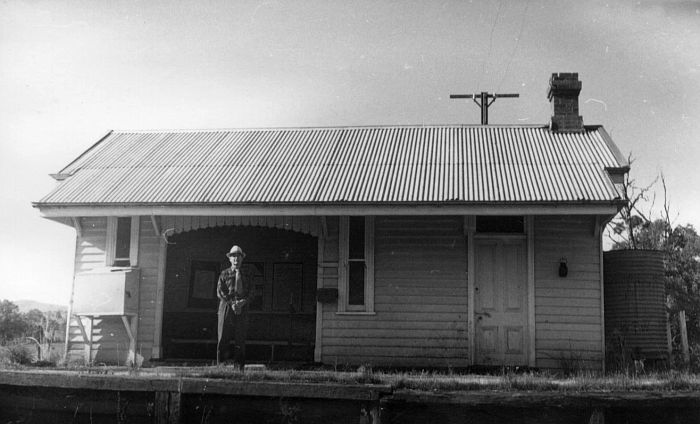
482,100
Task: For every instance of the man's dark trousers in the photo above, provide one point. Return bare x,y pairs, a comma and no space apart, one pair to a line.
231,326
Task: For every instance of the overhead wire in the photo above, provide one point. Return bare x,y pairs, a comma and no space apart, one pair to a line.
488,55
517,43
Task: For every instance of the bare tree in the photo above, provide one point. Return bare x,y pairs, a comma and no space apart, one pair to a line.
631,217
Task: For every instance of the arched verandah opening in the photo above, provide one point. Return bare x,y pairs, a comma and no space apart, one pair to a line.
282,266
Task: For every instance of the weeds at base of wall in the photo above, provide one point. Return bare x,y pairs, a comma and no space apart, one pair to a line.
571,363
621,359
365,371
618,357
135,360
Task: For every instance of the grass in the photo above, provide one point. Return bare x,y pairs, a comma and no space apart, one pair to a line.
445,381
431,381
542,381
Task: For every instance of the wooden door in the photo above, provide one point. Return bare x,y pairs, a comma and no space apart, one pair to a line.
500,302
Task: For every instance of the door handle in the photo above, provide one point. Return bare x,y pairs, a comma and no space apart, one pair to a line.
481,315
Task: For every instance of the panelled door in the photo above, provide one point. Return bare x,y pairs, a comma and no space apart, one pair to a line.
500,301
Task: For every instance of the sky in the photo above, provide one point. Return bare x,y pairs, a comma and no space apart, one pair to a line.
70,71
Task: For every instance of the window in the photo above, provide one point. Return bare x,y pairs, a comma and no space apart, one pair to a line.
122,241
500,224
203,279
356,285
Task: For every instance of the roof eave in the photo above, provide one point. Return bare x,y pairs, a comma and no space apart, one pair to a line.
49,210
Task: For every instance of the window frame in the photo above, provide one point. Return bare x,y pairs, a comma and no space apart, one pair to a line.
344,306
522,232
111,246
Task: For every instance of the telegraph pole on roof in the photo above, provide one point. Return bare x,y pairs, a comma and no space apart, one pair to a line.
482,100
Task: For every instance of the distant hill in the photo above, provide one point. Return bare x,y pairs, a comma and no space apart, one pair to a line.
28,305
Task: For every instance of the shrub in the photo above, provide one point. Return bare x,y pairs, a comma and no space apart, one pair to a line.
678,362
20,354
5,355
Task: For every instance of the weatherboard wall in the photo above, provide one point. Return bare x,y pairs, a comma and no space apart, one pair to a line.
89,254
420,294
568,311
420,297
110,342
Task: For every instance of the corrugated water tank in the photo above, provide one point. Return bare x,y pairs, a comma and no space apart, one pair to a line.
635,305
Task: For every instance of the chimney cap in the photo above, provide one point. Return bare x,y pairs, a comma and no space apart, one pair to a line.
565,75
564,84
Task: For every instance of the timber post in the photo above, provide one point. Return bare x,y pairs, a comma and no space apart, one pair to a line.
597,416
167,408
684,338
370,412
375,412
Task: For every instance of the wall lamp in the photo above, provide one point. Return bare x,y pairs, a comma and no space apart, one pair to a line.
563,268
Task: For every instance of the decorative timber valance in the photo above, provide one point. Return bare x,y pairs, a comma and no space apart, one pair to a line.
303,224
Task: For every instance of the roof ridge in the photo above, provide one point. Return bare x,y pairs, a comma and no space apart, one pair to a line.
338,127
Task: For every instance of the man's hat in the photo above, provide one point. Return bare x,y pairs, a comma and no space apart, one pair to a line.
235,250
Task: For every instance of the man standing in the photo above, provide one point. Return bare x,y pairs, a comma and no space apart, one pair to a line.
234,296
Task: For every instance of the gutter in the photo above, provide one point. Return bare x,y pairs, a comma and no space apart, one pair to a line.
568,208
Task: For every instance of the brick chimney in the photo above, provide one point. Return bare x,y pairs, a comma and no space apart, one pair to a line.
563,92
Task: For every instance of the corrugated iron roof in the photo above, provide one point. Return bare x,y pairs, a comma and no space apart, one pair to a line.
411,164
